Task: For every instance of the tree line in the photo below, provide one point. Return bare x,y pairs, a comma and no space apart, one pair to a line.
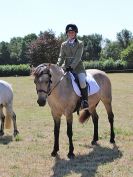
44,48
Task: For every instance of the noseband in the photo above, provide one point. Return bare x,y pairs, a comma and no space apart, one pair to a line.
48,89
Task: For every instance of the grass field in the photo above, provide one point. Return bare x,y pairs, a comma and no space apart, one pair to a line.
30,155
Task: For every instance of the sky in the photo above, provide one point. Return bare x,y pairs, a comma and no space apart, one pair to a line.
19,18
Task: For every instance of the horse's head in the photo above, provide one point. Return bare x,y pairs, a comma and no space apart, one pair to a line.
42,81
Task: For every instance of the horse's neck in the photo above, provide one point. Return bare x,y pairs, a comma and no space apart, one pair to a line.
63,98
56,73
64,84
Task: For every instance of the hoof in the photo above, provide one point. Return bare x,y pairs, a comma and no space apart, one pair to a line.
54,153
16,132
94,142
112,141
71,155
1,133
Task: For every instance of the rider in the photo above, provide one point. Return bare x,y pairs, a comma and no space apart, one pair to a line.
70,58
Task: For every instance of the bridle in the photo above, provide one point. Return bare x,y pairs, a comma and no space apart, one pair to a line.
45,91
49,89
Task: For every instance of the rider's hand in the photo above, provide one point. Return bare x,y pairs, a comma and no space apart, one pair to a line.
69,68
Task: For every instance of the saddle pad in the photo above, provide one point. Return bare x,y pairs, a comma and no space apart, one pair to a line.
93,86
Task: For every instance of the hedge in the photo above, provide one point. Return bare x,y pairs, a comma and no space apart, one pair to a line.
105,65
108,65
15,70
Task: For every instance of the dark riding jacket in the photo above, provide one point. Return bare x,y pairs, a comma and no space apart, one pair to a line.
70,55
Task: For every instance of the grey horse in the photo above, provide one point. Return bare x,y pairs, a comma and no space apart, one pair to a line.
6,101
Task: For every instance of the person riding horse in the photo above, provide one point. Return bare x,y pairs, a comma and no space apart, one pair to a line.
70,59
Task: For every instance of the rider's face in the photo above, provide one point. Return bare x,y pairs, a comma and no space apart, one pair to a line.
71,34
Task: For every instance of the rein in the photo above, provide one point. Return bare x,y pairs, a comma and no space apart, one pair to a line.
50,91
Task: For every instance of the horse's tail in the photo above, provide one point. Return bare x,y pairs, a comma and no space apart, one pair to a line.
8,119
84,115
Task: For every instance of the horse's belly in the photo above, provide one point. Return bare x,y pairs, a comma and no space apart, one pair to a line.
3,100
5,96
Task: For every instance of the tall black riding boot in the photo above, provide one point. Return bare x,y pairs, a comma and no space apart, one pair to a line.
84,93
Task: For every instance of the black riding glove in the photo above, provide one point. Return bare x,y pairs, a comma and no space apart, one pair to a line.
69,68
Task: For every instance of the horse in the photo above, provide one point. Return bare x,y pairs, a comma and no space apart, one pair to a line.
54,85
6,101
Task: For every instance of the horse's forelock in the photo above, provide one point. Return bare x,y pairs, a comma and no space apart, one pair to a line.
39,70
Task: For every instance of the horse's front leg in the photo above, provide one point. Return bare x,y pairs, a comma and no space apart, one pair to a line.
2,117
2,125
56,136
70,134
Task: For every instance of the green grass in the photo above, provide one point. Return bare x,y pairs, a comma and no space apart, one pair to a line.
29,154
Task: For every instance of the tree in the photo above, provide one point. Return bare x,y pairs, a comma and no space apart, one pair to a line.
24,57
45,48
62,37
4,53
16,49
124,38
127,55
92,46
111,50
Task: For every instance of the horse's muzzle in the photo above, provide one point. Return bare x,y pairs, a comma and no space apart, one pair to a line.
41,102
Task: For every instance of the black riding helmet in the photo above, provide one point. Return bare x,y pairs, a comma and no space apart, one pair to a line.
71,27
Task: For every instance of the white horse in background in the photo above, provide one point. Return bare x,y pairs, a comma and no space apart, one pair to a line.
6,101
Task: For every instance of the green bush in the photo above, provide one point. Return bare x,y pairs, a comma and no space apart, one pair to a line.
106,65
13,70
93,65
120,64
109,64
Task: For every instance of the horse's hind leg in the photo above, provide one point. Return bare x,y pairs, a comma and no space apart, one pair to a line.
111,121
95,123
2,117
10,114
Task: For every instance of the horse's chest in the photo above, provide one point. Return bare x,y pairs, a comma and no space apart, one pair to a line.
58,105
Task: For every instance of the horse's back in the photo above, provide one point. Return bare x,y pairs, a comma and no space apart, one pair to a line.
6,92
99,76
96,72
103,81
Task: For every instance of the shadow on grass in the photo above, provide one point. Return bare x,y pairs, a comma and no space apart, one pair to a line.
5,139
86,165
